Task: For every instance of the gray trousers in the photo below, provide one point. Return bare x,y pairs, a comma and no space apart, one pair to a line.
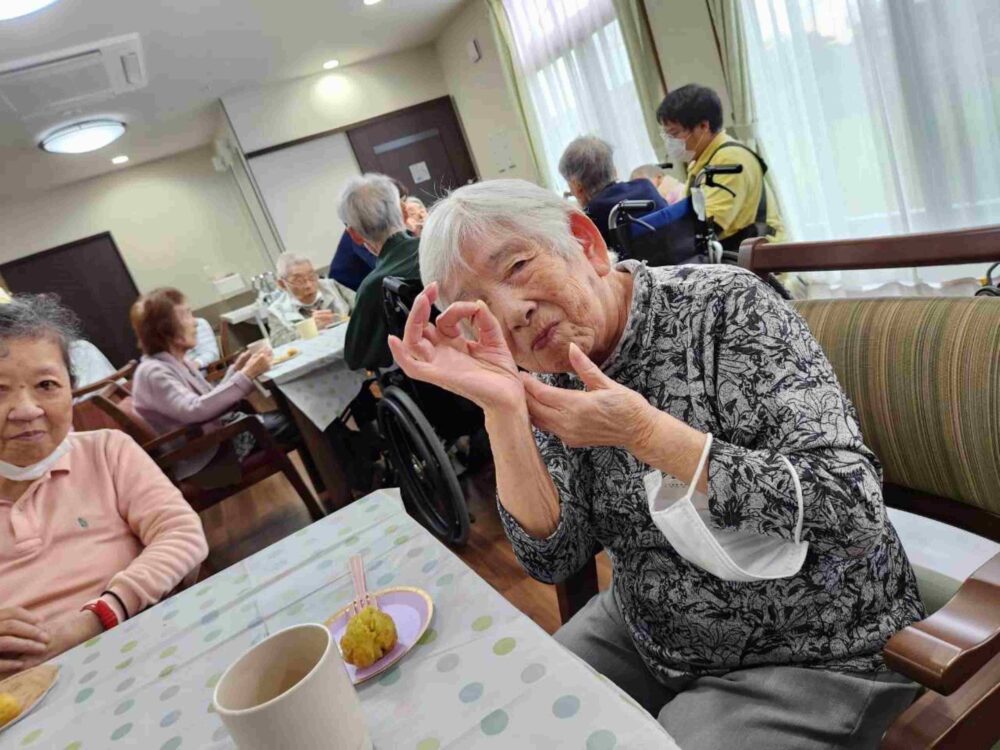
763,707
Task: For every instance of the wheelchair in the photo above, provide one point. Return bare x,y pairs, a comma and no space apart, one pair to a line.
413,429
680,233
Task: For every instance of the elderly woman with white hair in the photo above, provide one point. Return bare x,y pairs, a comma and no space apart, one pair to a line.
588,167
685,420
303,295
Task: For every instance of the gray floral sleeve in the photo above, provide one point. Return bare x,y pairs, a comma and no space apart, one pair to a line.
717,349
776,393
566,550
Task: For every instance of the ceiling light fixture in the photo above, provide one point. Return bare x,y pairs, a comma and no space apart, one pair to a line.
331,64
17,8
82,137
372,2
120,159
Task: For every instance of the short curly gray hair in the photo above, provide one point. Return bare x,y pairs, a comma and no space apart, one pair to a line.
588,161
370,206
39,316
481,216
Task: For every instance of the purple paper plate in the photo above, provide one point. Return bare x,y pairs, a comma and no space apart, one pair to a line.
410,608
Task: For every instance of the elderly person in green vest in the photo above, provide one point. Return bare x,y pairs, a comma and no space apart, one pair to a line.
370,209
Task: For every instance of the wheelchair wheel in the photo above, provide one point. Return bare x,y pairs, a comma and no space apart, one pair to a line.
425,472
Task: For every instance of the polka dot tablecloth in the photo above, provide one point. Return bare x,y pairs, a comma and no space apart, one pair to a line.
483,675
317,380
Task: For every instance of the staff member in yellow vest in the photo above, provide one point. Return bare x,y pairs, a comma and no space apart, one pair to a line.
741,205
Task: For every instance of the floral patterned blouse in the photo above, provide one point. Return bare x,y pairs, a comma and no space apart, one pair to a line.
716,348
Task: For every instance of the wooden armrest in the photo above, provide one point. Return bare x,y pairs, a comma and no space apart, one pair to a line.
578,589
190,432
122,374
215,438
954,643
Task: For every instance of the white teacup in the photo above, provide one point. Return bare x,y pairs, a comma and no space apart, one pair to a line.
307,328
291,690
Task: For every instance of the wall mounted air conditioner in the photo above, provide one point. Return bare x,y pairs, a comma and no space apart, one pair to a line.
63,81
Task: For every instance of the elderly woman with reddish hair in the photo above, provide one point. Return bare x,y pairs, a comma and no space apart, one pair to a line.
91,531
169,392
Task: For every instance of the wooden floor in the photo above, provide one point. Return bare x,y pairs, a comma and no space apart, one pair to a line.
269,511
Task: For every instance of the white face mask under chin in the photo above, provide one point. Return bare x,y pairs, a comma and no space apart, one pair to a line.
34,471
729,555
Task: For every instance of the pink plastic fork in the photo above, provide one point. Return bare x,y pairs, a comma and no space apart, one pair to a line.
362,598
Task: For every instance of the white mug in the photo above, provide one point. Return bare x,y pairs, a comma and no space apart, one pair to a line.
307,328
291,690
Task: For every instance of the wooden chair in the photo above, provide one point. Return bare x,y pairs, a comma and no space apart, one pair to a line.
86,415
924,377
167,450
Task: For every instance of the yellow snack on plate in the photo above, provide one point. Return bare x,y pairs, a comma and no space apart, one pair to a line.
10,709
370,635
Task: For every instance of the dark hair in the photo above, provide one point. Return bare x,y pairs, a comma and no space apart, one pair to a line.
690,105
39,316
154,319
404,193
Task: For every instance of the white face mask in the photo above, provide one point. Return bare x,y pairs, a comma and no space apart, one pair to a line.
729,555
677,149
34,471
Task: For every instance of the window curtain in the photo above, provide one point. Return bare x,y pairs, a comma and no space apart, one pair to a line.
574,64
518,86
879,118
647,73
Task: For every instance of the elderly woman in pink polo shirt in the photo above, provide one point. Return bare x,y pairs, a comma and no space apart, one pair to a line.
91,531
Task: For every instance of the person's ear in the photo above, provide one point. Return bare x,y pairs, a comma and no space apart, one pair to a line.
282,284
595,249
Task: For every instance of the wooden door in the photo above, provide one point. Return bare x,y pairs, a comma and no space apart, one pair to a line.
421,146
92,280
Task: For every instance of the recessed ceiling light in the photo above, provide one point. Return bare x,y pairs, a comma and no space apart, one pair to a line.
120,159
331,64
17,8
372,2
82,137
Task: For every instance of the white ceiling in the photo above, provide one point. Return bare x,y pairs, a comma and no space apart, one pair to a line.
195,52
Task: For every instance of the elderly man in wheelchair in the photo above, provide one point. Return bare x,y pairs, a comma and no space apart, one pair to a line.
406,431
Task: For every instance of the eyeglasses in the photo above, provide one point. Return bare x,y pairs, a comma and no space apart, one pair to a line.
302,278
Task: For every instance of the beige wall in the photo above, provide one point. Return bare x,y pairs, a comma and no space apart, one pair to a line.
682,31
176,222
287,111
484,102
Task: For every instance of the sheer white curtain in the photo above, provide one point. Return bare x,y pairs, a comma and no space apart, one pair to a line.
579,80
879,117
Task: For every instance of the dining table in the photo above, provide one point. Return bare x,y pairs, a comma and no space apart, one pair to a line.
483,675
314,387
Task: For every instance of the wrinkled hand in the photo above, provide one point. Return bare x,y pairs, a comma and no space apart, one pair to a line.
481,370
258,363
241,359
323,318
22,639
65,633
607,413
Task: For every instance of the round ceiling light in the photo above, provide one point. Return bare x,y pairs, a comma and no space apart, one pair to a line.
331,64
17,8
82,137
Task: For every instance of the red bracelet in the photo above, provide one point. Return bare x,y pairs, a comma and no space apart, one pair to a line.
104,613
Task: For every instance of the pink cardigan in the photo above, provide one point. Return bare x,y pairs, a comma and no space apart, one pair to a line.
103,518
170,394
